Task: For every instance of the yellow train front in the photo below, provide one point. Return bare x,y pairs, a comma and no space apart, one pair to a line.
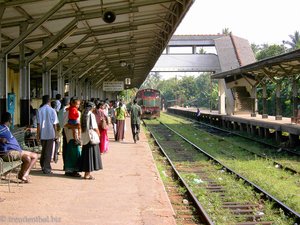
150,102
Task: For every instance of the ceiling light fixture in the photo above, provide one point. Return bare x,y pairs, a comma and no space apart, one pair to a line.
123,63
107,16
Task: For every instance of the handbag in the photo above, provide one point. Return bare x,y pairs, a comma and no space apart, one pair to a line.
94,137
103,124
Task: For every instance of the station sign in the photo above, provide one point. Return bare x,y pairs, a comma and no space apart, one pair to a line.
113,86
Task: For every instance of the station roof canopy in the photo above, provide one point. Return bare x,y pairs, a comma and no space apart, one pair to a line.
277,67
83,37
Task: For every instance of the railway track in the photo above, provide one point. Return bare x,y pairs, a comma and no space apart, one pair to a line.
241,211
269,152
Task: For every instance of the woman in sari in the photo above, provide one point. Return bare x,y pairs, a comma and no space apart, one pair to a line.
71,151
120,118
90,155
102,122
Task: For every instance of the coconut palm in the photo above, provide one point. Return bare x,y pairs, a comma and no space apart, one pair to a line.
295,40
226,31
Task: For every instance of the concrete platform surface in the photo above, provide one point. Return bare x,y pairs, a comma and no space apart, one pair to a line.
127,191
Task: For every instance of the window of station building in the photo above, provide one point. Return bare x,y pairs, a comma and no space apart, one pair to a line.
206,50
190,50
180,50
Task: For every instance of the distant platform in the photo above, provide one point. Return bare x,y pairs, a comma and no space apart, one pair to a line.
264,127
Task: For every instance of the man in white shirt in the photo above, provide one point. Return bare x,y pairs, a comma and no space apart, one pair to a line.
46,132
58,103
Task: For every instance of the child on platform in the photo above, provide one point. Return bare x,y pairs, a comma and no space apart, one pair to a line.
74,119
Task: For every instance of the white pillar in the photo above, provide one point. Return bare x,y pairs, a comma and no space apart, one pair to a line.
222,109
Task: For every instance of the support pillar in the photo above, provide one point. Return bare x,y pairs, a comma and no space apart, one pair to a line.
79,93
254,101
3,85
293,140
253,130
24,84
278,102
89,90
235,125
248,129
261,132
46,80
101,94
221,97
223,123
267,133
194,51
295,100
60,78
264,101
72,86
278,136
168,50
3,71
86,90
243,127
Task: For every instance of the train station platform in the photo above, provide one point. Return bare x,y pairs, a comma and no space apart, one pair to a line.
127,191
283,130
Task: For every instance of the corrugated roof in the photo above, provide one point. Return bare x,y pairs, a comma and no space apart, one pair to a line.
73,32
284,65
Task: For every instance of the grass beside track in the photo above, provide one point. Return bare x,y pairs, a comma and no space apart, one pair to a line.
281,184
212,202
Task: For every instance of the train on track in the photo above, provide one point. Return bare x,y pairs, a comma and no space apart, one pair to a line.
150,101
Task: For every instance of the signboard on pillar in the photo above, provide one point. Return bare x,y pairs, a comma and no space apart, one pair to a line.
113,86
127,81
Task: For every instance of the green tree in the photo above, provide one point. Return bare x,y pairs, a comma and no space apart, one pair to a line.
128,94
294,43
226,31
207,93
267,51
255,48
152,81
168,89
202,51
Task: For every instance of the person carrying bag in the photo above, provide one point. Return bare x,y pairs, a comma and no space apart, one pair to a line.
90,155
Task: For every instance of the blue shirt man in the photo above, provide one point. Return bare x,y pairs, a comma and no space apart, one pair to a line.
11,142
11,150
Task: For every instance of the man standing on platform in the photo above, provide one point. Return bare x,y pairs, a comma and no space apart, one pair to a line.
135,115
46,132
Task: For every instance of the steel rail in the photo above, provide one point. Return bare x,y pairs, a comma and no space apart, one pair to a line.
259,155
288,211
192,196
249,138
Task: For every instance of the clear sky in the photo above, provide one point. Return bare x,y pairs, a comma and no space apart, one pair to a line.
258,21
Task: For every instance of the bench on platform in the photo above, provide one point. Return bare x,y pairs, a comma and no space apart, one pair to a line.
27,143
7,167
26,138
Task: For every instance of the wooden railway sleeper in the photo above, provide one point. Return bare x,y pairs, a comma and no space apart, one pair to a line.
256,223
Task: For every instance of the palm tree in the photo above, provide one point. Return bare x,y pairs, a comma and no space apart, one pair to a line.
295,40
226,31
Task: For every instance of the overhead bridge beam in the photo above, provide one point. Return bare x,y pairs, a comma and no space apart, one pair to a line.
187,63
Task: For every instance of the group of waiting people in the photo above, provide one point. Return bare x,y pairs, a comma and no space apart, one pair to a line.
77,158
78,154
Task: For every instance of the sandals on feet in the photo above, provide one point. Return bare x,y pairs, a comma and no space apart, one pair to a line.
76,174
90,177
23,179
